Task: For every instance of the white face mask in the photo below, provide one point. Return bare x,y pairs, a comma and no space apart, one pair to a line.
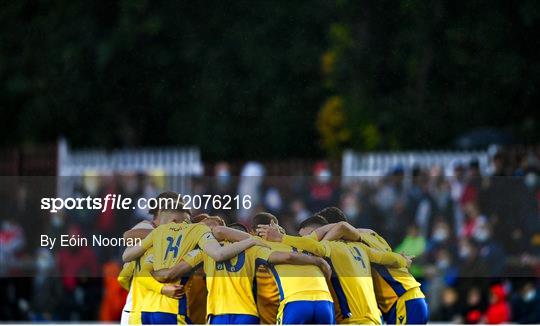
481,234
440,234
350,211
324,176
464,252
57,221
529,296
530,180
443,264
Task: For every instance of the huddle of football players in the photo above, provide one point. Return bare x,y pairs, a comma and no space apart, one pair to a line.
197,270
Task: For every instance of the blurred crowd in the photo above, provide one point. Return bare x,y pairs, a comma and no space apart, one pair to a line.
475,234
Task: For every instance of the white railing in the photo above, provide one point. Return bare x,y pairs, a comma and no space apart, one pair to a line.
374,164
177,165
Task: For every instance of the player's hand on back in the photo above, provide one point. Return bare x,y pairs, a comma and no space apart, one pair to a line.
408,258
270,232
172,290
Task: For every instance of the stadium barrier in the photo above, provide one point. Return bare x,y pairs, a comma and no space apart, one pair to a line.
176,165
376,164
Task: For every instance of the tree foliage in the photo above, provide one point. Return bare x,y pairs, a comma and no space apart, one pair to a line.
255,79
414,74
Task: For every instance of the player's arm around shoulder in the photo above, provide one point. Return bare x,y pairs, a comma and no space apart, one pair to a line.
125,275
224,233
294,258
387,258
342,230
139,231
308,243
187,263
132,253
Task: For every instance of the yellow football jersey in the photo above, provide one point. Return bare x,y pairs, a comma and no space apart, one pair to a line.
298,282
231,284
389,283
352,285
170,243
144,288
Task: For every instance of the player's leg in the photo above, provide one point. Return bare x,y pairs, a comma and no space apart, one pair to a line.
323,313
296,313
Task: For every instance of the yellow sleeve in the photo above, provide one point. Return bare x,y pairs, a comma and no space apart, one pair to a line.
194,257
307,243
125,275
386,258
204,234
150,283
148,241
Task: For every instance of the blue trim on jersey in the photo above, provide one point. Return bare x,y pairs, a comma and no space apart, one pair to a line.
182,302
394,284
258,262
338,289
278,281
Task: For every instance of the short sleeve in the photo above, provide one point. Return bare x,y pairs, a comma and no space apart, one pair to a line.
194,257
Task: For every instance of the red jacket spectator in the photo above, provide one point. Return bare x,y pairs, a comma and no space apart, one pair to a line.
498,311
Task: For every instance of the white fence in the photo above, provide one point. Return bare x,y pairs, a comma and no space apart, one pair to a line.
356,164
177,165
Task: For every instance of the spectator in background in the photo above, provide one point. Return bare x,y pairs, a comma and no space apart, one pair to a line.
526,304
114,296
457,185
77,265
450,310
11,243
489,251
46,286
322,191
272,200
498,310
351,207
251,181
438,276
299,211
474,307
414,244
473,219
472,186
223,184
441,237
